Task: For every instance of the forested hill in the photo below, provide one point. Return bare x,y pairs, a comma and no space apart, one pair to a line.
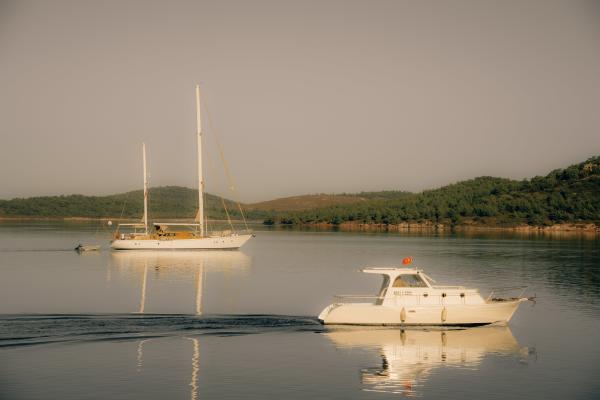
166,201
563,196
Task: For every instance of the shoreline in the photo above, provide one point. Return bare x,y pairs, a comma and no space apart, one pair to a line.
588,228
115,220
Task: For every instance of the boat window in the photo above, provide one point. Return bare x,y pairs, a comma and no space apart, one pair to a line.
384,285
409,281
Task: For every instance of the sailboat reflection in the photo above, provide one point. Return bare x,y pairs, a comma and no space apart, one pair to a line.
195,369
409,356
195,363
179,265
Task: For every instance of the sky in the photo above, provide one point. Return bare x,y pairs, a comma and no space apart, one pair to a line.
304,96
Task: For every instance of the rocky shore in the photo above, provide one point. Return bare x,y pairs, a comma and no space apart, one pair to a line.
431,226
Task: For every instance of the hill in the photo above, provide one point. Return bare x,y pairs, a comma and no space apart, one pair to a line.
569,195
163,202
170,202
312,201
305,202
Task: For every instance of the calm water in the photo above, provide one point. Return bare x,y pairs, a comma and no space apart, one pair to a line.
192,325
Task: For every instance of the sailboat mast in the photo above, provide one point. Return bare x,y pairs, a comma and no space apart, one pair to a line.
145,188
200,177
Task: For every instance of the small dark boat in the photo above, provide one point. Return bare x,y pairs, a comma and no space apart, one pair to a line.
81,248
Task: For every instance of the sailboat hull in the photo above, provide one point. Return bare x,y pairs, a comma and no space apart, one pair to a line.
230,242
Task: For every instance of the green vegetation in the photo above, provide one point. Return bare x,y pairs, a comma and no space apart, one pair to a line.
564,195
167,201
569,195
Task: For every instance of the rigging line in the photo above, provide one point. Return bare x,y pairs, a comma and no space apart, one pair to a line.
206,223
205,216
210,166
123,209
227,214
230,180
209,227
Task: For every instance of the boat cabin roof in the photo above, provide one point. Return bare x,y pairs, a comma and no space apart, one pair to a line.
391,271
393,275
413,278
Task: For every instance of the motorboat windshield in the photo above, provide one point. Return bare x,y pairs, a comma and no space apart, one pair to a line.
409,280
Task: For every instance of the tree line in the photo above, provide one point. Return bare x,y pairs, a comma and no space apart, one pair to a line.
571,194
564,195
163,202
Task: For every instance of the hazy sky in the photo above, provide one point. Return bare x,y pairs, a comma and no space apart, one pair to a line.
307,96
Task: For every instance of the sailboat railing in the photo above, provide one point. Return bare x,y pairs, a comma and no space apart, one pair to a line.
174,224
229,232
138,225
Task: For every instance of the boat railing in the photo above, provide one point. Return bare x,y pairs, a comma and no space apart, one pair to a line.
506,290
448,287
131,225
229,232
244,231
356,298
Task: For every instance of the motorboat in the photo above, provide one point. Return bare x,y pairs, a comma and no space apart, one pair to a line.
408,297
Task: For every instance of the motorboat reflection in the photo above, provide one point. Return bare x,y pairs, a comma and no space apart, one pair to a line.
178,265
409,356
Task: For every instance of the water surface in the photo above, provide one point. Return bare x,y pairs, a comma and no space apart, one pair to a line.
241,324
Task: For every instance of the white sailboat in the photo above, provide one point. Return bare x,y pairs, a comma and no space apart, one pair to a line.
162,236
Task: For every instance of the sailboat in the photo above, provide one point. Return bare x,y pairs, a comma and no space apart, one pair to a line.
162,236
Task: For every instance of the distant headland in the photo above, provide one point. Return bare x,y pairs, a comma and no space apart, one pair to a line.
565,199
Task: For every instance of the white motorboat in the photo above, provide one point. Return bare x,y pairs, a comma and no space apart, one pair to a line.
170,235
408,297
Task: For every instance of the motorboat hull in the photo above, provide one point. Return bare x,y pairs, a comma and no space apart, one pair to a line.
493,312
230,242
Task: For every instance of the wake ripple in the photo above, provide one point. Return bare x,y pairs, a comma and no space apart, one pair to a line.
27,330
